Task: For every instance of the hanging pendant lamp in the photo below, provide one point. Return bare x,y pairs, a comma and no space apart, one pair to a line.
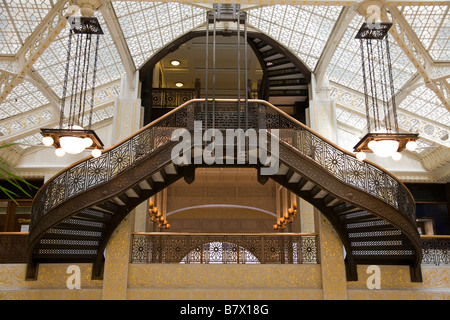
383,137
74,134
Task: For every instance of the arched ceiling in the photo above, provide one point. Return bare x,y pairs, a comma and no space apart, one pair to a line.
33,52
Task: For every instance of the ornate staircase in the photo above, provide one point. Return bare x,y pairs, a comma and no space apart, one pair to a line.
75,212
285,79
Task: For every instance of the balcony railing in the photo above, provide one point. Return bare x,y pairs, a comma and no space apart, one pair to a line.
435,250
171,98
235,248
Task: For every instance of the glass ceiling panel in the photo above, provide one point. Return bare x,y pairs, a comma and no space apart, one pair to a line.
302,29
345,66
424,102
18,19
51,65
22,98
148,26
350,118
346,139
432,26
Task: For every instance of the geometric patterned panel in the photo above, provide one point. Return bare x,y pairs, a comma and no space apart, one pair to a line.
424,102
148,26
432,26
302,29
18,19
22,98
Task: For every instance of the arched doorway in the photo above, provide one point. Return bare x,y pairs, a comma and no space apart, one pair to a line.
274,74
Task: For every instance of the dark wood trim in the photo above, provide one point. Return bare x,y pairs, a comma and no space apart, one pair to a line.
150,64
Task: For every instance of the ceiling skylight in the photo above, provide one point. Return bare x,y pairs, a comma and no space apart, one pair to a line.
148,26
432,26
345,66
302,29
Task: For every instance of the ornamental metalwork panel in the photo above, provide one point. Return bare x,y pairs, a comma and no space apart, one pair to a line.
436,251
224,249
334,161
76,179
356,173
170,98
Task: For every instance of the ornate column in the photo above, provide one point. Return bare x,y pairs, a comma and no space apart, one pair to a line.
127,120
322,114
331,261
322,110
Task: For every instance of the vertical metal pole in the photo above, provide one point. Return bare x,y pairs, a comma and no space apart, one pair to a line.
207,70
214,74
239,68
245,71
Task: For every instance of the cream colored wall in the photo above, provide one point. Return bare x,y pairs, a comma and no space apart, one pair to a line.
203,282
230,281
51,283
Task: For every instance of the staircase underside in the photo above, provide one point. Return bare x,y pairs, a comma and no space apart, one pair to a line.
78,229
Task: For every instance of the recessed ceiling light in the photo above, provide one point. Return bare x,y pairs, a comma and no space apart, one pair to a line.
175,62
179,84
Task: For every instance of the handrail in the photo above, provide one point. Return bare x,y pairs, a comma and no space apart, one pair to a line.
435,237
90,171
224,234
173,247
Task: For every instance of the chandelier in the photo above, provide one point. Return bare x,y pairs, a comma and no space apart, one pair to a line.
74,134
383,137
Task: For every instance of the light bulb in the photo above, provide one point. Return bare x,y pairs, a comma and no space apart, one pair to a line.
361,156
397,156
48,141
411,145
96,153
88,142
60,152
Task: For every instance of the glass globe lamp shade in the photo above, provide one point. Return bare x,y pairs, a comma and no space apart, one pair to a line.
72,145
47,141
60,152
88,142
384,148
361,156
411,145
397,156
96,153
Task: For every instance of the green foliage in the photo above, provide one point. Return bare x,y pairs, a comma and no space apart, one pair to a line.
12,179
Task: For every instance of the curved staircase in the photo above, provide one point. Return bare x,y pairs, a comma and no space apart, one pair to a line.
285,79
75,212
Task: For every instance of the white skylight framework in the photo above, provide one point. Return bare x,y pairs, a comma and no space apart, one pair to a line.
302,29
149,26
18,19
432,26
345,66
23,98
51,65
423,102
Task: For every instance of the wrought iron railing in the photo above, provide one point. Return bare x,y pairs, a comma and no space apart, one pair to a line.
171,98
435,250
13,247
222,114
277,248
